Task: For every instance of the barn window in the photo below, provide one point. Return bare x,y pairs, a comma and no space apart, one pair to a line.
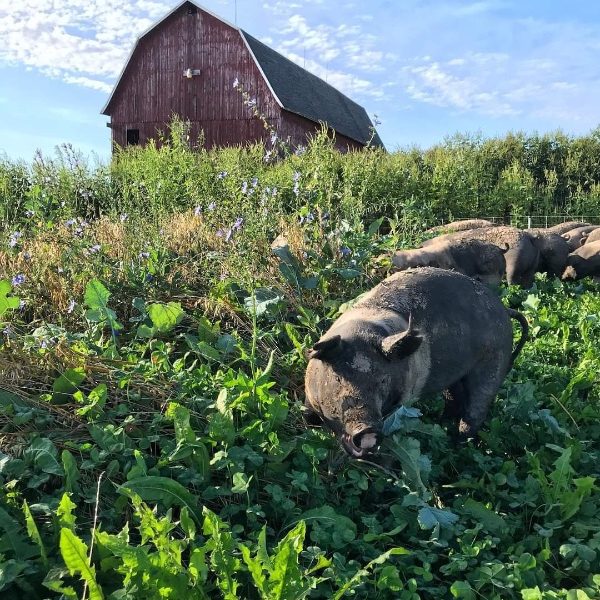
133,137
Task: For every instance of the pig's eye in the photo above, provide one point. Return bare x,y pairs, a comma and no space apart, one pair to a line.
312,417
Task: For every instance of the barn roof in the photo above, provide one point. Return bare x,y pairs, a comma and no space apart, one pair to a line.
294,88
305,94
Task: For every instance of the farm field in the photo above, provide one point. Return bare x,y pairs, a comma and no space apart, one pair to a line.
152,359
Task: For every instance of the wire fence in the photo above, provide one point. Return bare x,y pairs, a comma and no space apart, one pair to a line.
528,221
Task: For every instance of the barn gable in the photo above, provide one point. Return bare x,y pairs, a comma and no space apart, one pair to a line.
152,86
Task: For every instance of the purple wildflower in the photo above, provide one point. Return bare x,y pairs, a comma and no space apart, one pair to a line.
345,251
14,238
254,182
244,187
211,206
95,248
70,222
124,217
220,233
297,176
326,216
222,175
18,279
144,255
198,211
238,223
29,214
26,255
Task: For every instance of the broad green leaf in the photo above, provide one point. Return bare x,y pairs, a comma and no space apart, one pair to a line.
66,518
286,580
181,420
67,384
256,570
165,317
329,527
187,523
42,453
9,571
462,589
72,474
415,466
53,581
13,541
364,572
532,302
395,421
349,273
198,568
266,374
6,302
96,295
241,482
375,225
491,521
75,554
33,532
262,301
161,489
532,593
221,547
429,517
577,595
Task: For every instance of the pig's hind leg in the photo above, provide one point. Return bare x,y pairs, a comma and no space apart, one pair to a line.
480,388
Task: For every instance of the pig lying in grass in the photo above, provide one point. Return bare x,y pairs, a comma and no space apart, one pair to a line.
480,260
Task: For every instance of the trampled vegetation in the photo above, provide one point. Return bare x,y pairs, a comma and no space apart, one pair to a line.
151,368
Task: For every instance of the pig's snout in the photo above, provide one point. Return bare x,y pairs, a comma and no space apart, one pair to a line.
361,442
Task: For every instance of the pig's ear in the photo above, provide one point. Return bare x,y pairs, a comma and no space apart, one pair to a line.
325,348
401,344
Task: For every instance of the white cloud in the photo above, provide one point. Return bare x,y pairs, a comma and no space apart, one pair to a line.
81,42
498,84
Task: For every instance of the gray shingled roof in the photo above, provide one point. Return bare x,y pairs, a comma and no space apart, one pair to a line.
307,95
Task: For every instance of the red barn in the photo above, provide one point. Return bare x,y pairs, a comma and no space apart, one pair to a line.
186,64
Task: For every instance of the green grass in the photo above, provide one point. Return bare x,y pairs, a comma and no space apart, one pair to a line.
151,378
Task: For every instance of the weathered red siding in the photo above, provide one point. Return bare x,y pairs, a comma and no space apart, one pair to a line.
297,128
153,88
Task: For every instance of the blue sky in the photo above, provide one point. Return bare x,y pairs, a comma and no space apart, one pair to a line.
427,68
